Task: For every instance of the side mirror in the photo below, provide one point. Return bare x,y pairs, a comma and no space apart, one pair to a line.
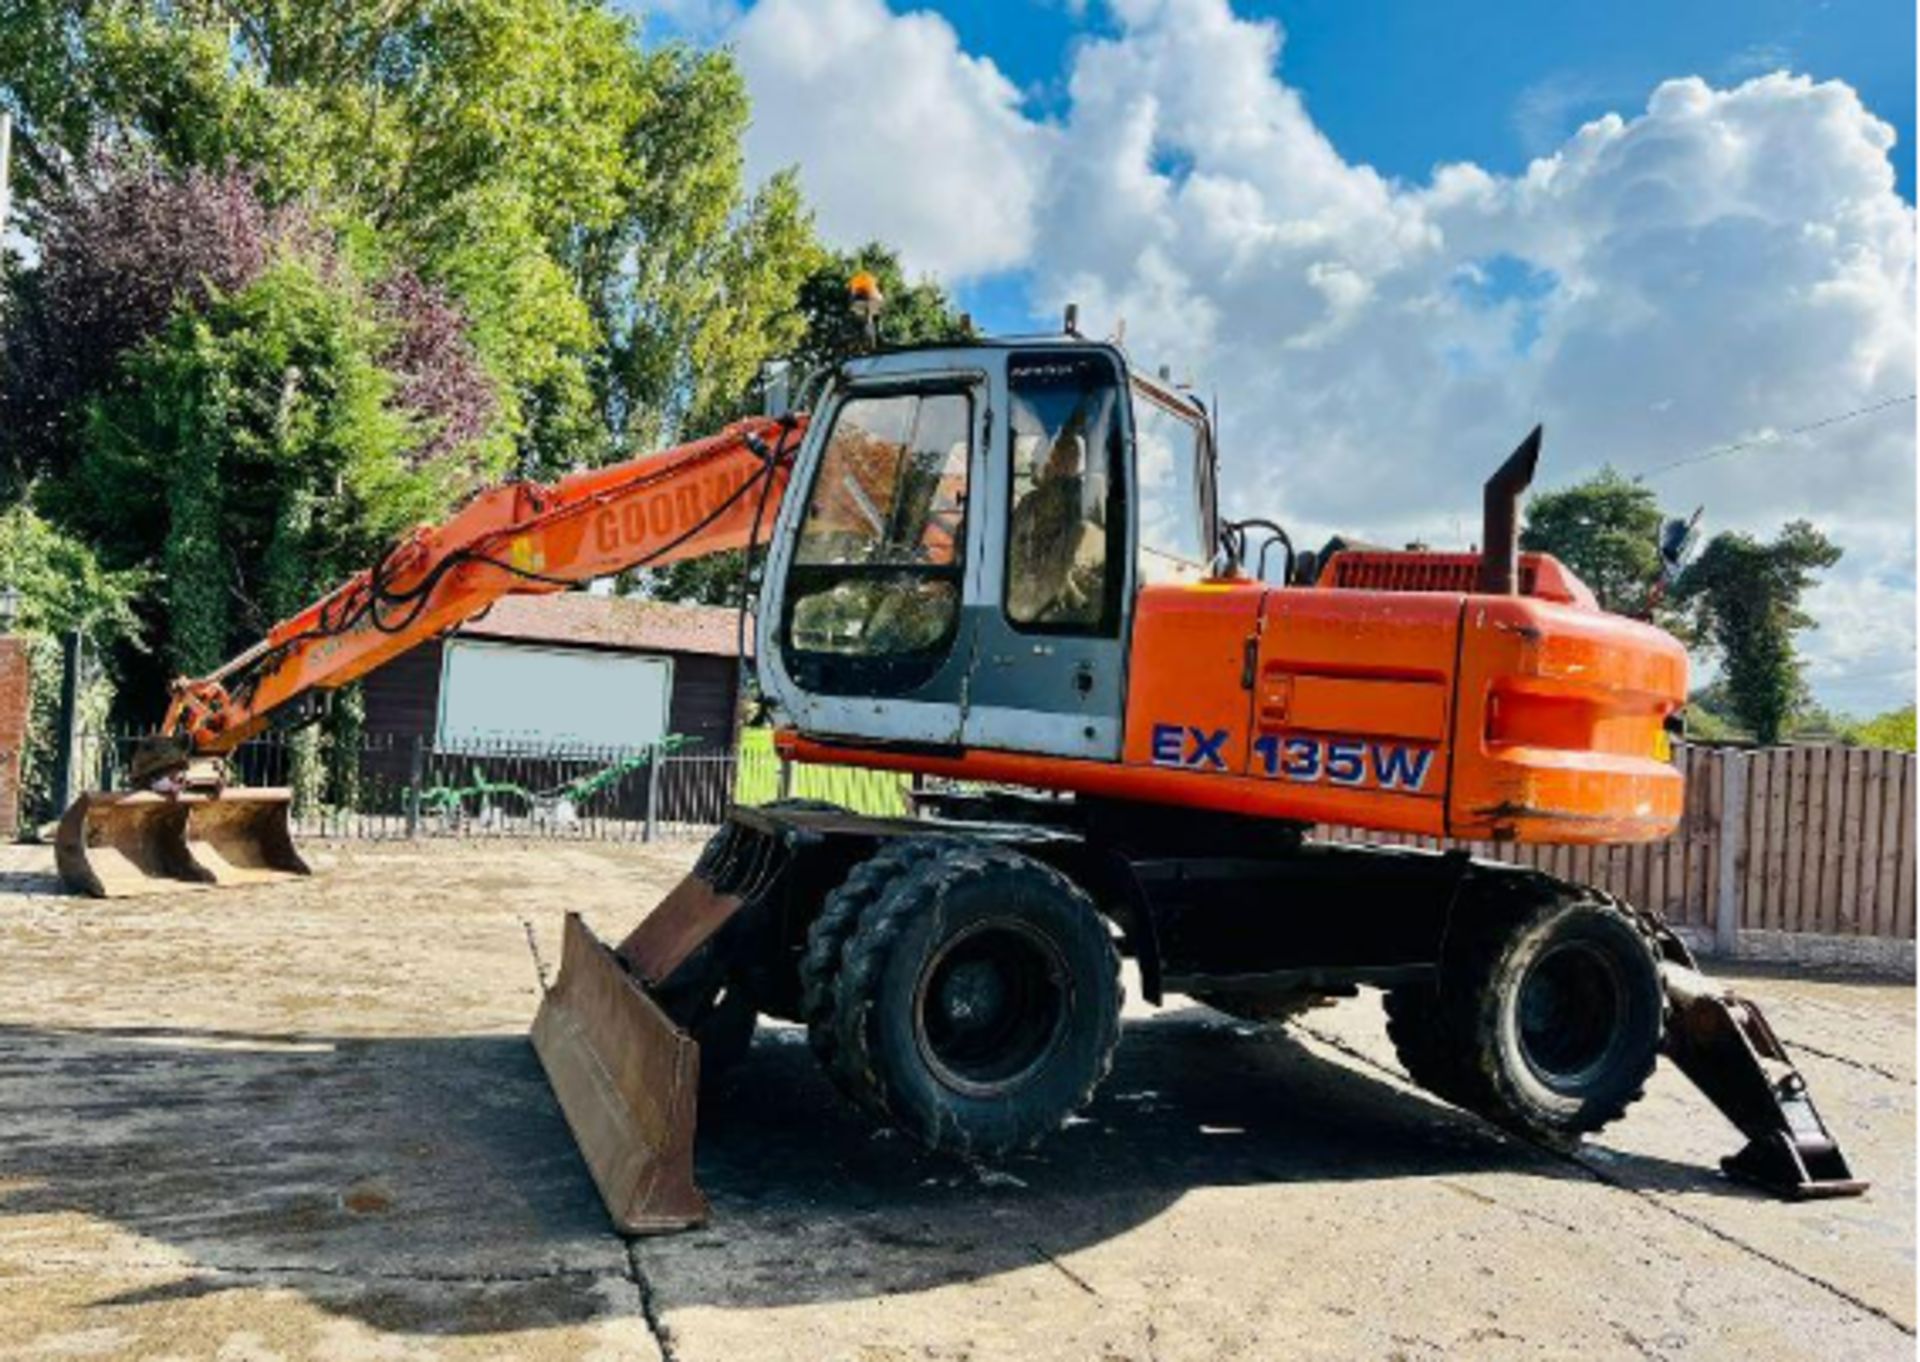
1676,543
776,398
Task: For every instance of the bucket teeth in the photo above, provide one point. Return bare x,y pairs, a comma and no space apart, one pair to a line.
111,845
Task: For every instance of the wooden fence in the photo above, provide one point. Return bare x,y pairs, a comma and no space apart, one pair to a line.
1819,840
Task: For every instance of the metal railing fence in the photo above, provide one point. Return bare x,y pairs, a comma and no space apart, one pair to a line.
404,785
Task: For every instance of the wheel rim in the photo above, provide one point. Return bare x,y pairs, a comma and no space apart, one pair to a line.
990,1007
1572,1005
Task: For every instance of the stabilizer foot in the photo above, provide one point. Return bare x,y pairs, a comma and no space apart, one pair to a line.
1723,1043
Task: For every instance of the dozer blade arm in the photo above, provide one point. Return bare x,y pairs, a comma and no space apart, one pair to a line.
1722,1042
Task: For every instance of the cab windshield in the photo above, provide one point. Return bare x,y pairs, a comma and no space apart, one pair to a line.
877,569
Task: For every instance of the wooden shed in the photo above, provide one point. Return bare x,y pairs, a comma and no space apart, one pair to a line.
568,670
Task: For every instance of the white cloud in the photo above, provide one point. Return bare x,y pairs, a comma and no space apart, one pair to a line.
899,135
1719,264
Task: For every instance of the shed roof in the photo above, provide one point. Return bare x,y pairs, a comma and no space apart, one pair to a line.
582,620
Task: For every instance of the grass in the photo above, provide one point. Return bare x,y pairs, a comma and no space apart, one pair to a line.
873,792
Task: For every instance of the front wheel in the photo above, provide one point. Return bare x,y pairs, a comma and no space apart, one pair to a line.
977,1002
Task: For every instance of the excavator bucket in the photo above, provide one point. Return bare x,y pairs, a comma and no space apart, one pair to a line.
1723,1043
243,836
112,845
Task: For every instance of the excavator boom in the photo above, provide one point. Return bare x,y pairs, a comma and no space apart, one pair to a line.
184,826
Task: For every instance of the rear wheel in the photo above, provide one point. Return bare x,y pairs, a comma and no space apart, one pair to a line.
977,1003
1557,1015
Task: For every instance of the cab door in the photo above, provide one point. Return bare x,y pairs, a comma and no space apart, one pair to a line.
862,635
1051,594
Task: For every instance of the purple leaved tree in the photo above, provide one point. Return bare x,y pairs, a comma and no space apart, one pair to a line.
430,354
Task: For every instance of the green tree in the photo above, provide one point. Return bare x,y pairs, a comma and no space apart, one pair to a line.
692,284
582,196
1607,529
914,313
255,455
62,588
1893,729
1745,599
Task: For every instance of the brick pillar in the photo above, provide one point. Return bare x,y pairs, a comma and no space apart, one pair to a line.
15,694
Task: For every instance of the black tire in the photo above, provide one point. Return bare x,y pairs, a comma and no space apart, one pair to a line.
827,939
978,1000
1556,1012
1417,1026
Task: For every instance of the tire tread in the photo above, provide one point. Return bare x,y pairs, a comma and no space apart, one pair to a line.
866,952
1469,1011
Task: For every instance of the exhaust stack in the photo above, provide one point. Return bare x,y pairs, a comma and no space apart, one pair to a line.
1500,519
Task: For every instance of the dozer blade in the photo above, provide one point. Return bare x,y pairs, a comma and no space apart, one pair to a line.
120,844
1723,1043
613,1030
627,1079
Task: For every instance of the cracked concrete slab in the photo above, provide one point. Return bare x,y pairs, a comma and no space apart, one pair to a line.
303,1121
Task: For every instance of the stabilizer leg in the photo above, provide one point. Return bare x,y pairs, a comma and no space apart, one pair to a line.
1722,1042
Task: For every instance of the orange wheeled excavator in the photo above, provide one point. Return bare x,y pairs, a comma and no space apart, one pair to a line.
1001,563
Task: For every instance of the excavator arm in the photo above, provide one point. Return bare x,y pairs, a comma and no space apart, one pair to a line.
524,537
686,502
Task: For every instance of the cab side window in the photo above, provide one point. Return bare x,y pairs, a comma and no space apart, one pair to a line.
1169,452
1067,516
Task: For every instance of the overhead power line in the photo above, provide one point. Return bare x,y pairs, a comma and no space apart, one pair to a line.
1772,437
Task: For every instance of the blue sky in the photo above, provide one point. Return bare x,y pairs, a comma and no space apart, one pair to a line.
1323,211
1406,86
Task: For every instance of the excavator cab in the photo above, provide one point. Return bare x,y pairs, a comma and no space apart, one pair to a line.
965,538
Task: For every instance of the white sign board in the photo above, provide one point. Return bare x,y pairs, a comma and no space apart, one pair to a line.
512,693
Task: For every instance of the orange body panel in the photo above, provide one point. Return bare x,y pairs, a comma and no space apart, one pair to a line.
1560,732
1436,713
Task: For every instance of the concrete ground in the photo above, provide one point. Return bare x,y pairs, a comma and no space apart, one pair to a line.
304,1121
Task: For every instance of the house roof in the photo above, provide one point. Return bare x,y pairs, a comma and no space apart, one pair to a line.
577,619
